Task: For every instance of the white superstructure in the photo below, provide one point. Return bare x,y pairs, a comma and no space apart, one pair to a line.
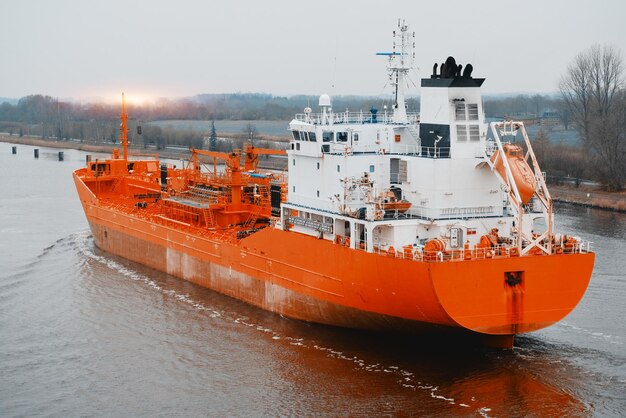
373,180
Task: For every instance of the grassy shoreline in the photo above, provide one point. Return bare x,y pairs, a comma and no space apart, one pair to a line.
589,196
173,154
84,146
586,196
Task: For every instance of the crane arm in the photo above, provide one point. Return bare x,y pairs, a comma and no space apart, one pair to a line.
252,155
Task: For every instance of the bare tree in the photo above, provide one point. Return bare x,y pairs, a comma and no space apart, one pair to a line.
575,87
610,144
250,133
565,113
537,100
593,90
606,76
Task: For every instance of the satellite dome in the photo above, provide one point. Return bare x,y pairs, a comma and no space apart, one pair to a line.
324,100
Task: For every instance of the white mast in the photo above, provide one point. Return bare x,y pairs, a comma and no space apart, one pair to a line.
400,62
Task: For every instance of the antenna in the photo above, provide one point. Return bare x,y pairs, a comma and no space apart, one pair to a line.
400,62
332,87
123,128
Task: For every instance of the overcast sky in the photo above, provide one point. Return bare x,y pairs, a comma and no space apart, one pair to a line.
82,49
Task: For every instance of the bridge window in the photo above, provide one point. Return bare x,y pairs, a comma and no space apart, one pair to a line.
312,136
474,133
296,135
459,111
327,136
355,136
472,111
303,136
461,133
342,137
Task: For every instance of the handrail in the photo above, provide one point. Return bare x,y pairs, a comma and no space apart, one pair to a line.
352,117
417,253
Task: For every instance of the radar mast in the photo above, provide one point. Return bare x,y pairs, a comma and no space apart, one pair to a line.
123,129
400,62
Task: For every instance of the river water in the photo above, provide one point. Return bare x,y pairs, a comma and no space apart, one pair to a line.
84,333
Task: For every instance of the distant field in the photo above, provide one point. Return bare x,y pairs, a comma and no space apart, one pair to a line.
556,135
264,127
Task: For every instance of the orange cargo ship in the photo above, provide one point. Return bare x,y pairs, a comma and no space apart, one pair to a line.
392,221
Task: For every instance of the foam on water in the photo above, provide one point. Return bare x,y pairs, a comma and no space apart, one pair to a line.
404,378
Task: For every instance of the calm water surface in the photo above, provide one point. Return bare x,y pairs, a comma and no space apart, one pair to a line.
84,333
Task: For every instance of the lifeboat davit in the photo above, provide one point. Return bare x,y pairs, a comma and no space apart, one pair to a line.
390,203
522,173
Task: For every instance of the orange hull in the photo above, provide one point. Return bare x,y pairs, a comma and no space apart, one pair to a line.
283,272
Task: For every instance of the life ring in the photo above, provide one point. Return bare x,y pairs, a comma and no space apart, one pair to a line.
417,255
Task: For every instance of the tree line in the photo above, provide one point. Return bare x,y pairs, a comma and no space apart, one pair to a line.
591,100
594,93
48,117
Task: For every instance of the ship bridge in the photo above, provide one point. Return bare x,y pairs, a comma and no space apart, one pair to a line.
393,178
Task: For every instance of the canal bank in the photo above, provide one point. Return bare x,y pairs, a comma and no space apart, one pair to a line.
589,196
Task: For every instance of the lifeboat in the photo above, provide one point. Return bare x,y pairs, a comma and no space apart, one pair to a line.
522,173
390,204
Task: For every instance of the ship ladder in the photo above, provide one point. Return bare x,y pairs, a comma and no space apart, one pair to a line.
115,183
209,220
264,201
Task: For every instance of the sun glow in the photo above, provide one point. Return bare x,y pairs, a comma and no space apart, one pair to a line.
132,98
138,98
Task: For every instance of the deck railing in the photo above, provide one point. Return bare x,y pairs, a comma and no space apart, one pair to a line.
331,118
499,251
